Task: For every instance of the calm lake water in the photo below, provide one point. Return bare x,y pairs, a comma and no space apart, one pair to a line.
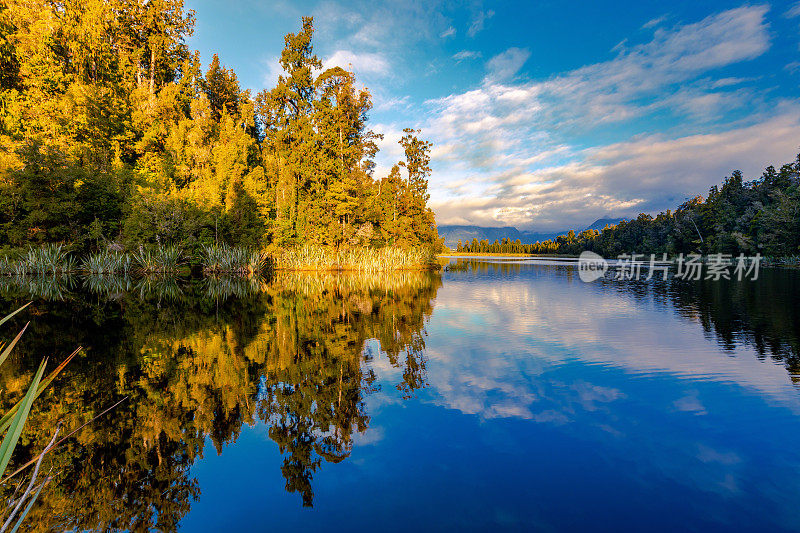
509,395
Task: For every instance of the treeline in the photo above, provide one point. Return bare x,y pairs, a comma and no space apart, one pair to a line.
111,135
738,216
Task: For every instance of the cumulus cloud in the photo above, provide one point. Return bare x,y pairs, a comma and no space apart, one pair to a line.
643,175
502,150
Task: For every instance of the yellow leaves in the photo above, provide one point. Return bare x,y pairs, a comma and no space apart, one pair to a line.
9,159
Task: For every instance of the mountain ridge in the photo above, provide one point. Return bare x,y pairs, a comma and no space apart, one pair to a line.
452,233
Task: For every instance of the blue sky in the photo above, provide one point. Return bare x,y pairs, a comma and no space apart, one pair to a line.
549,115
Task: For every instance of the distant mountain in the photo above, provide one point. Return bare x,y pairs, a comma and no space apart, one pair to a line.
601,223
453,233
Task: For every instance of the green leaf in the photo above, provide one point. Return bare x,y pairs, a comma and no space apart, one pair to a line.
4,354
15,429
6,419
9,316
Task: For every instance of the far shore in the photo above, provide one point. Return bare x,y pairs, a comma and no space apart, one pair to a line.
498,254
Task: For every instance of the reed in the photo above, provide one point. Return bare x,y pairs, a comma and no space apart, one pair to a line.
225,259
47,259
311,257
788,261
458,266
12,423
107,262
316,284
158,259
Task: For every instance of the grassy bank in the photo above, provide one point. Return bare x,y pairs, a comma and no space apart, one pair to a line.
319,258
145,260
213,260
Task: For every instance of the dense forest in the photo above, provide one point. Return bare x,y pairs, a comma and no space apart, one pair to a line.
112,135
748,217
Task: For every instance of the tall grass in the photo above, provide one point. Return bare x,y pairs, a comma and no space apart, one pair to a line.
158,259
216,259
47,287
107,262
47,259
363,259
318,283
225,259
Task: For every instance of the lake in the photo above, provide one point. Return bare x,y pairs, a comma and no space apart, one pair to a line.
502,394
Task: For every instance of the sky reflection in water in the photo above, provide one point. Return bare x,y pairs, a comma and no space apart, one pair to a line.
555,404
507,395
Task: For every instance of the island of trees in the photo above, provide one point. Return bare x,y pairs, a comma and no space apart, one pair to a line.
112,135
738,217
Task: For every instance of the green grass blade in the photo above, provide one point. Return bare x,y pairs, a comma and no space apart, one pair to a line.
15,429
9,316
11,345
6,419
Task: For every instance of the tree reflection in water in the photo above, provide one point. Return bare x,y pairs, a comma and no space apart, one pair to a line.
197,359
763,314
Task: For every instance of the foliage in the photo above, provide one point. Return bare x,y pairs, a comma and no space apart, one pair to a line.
46,259
107,262
158,259
223,258
110,133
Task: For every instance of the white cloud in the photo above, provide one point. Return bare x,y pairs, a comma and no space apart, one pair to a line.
466,54
507,64
361,63
501,157
478,22
647,174
449,32
654,22
794,11
620,46
792,67
727,82
385,26
272,69
384,103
